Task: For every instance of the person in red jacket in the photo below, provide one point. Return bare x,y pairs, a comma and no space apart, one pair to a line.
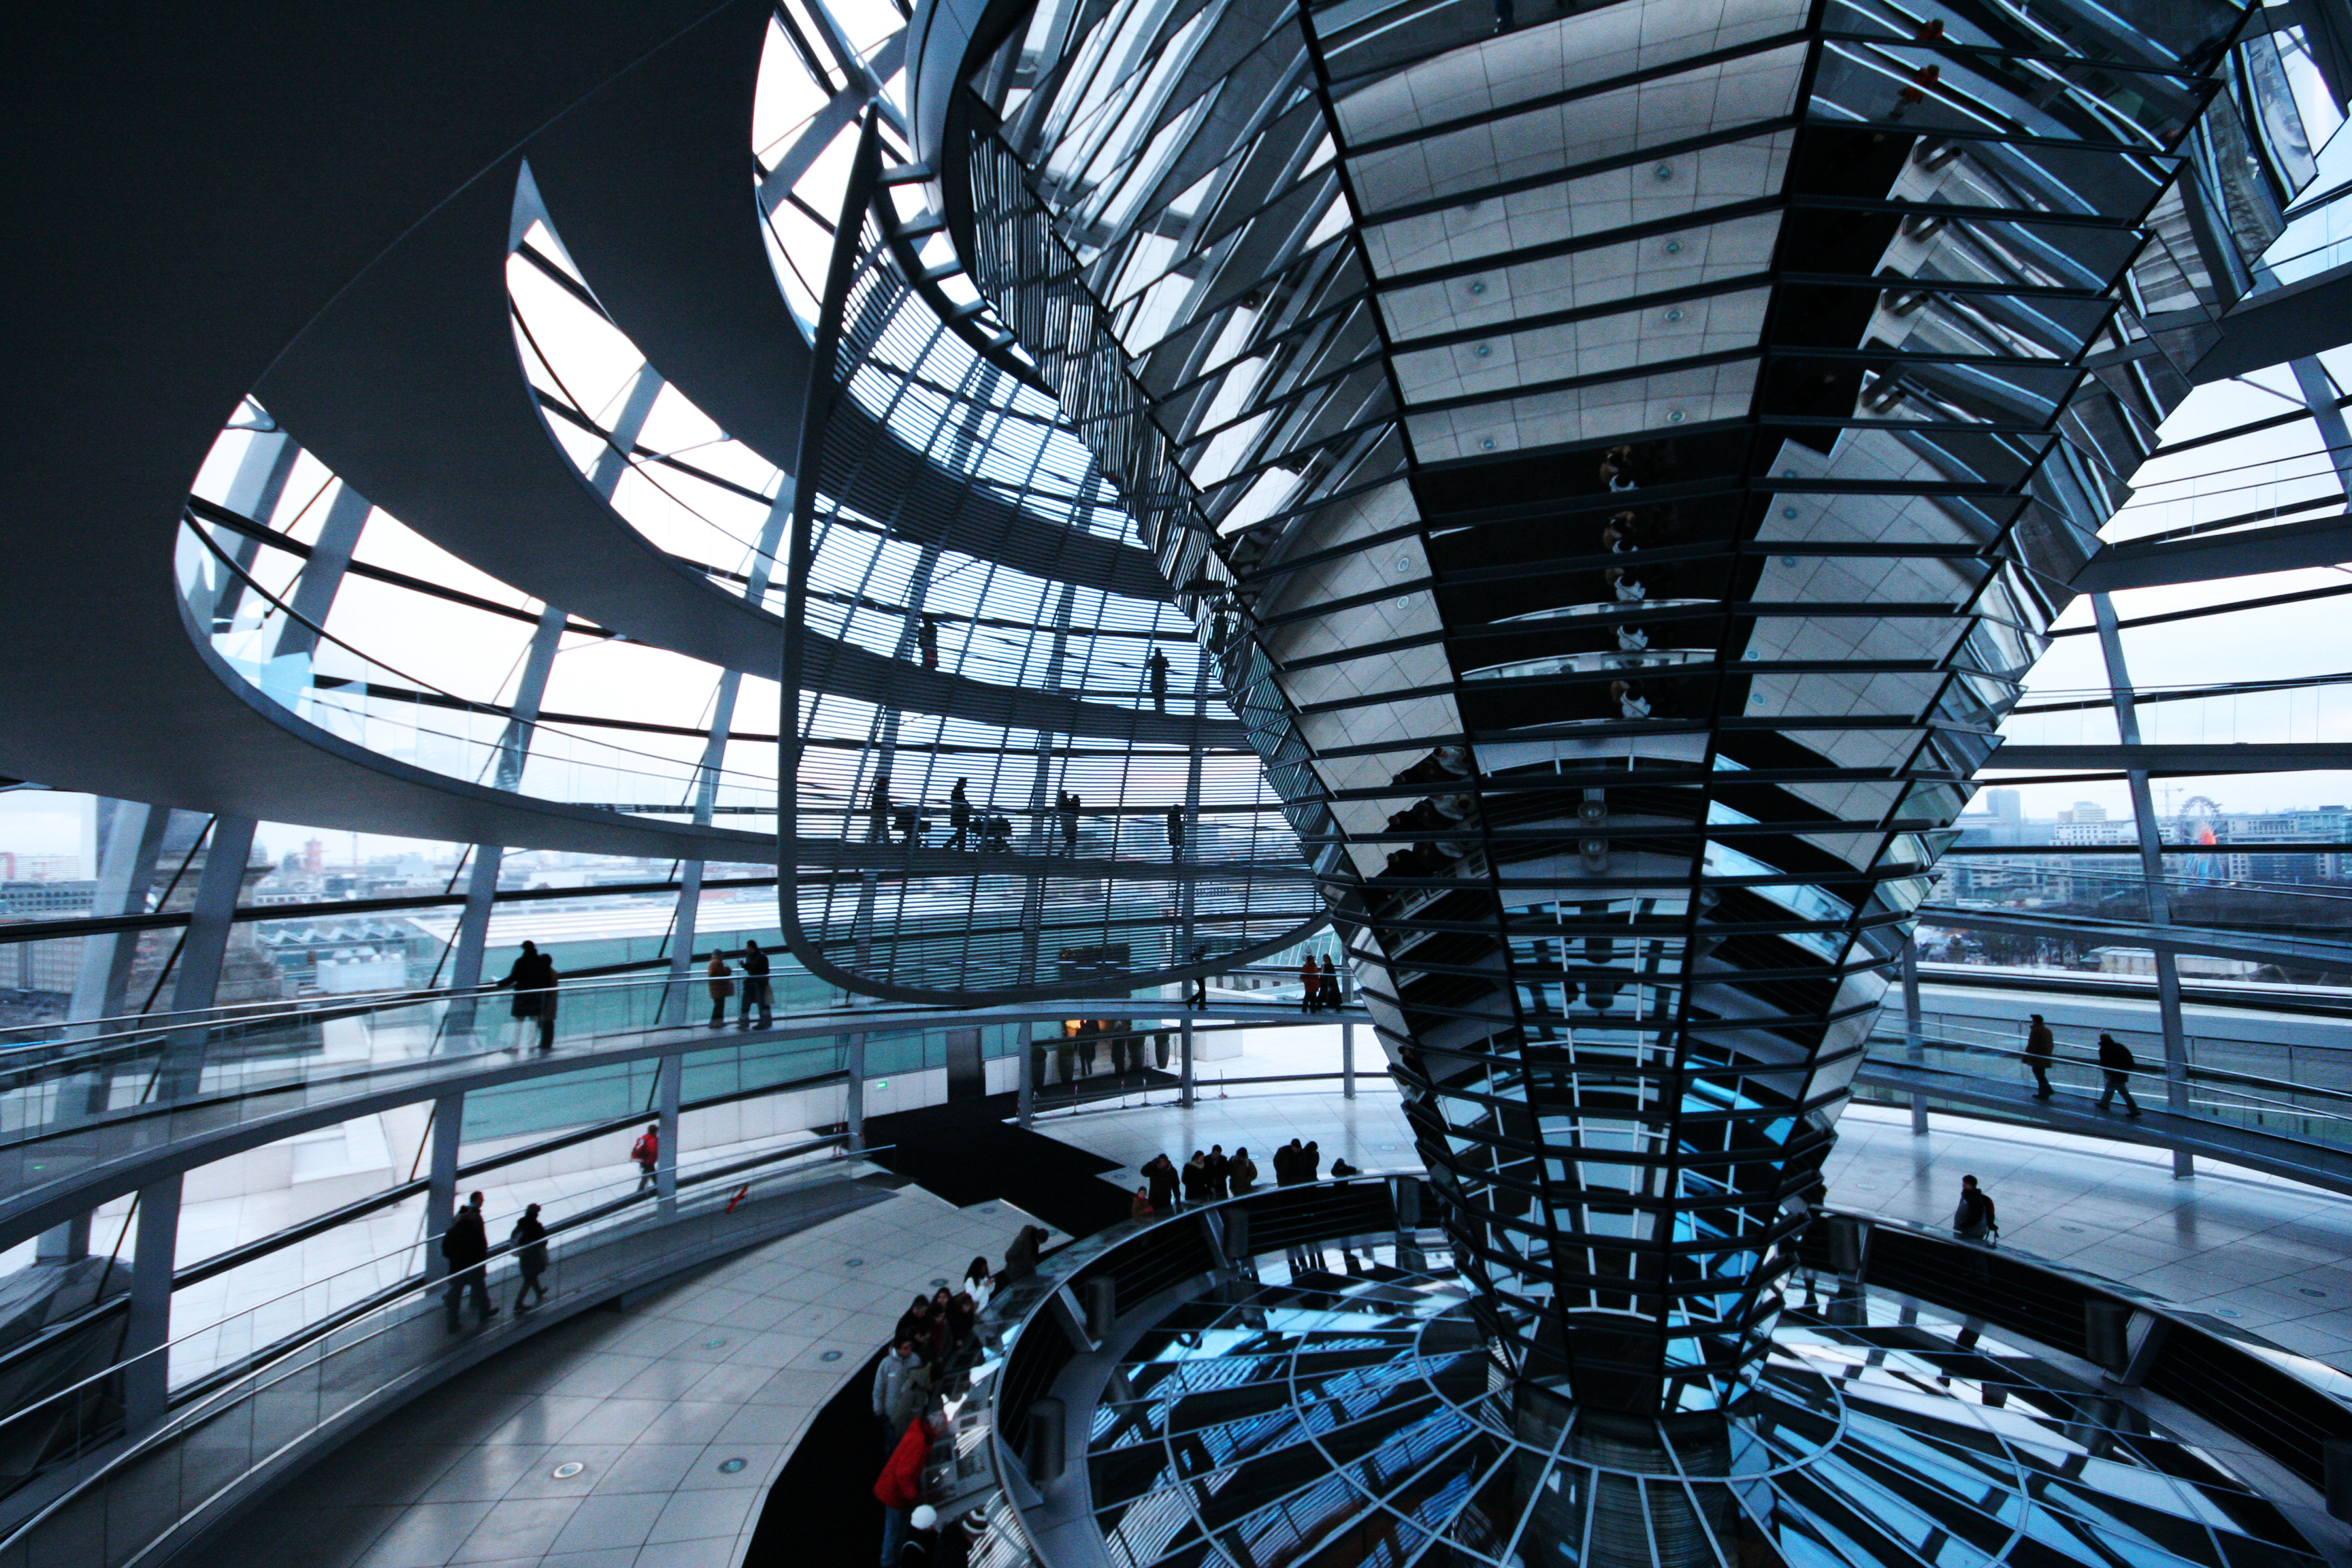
647,1153
900,1486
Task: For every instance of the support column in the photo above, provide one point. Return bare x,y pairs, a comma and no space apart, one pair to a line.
1185,1078
670,1074
1914,1029
130,838
202,950
441,1178
482,885
146,1385
473,933
2151,864
1348,1061
680,989
313,599
853,1102
255,491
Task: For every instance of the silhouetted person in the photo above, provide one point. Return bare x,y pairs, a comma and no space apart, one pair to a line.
1161,1175
958,816
1241,1176
757,991
1972,1217
1331,998
647,1153
2041,1048
1021,1258
1175,829
1310,985
1309,1159
1216,1168
2117,1062
926,638
532,980
878,810
465,1249
530,1242
1069,809
1156,665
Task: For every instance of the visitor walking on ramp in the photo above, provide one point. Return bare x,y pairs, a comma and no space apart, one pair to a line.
530,1242
2041,1049
465,1250
2117,1062
647,1153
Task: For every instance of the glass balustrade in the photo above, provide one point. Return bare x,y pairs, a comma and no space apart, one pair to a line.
253,1383
2297,1091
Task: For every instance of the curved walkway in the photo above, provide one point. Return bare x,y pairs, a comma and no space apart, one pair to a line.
651,1407
2269,1255
654,1402
50,1180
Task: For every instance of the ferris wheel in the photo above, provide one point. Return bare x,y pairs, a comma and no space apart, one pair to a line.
2200,823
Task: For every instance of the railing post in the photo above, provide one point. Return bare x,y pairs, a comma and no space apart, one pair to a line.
854,1113
1185,1078
1914,1029
147,1382
670,1074
1028,1100
1348,1061
441,1177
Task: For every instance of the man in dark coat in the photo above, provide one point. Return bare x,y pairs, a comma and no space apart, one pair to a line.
2041,1048
532,980
1162,1177
2117,1062
756,988
466,1249
530,1242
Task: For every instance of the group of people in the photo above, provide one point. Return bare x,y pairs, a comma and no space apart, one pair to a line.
1207,1177
756,989
1318,982
465,1259
2116,1064
936,1336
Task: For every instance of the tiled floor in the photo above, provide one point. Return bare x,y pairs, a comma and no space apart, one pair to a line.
652,1402
2272,1255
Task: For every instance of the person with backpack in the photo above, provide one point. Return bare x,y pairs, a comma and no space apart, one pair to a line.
1974,1218
647,1153
2117,1062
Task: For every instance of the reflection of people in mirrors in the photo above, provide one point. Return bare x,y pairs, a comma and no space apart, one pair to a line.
1157,666
958,816
1631,703
1617,467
